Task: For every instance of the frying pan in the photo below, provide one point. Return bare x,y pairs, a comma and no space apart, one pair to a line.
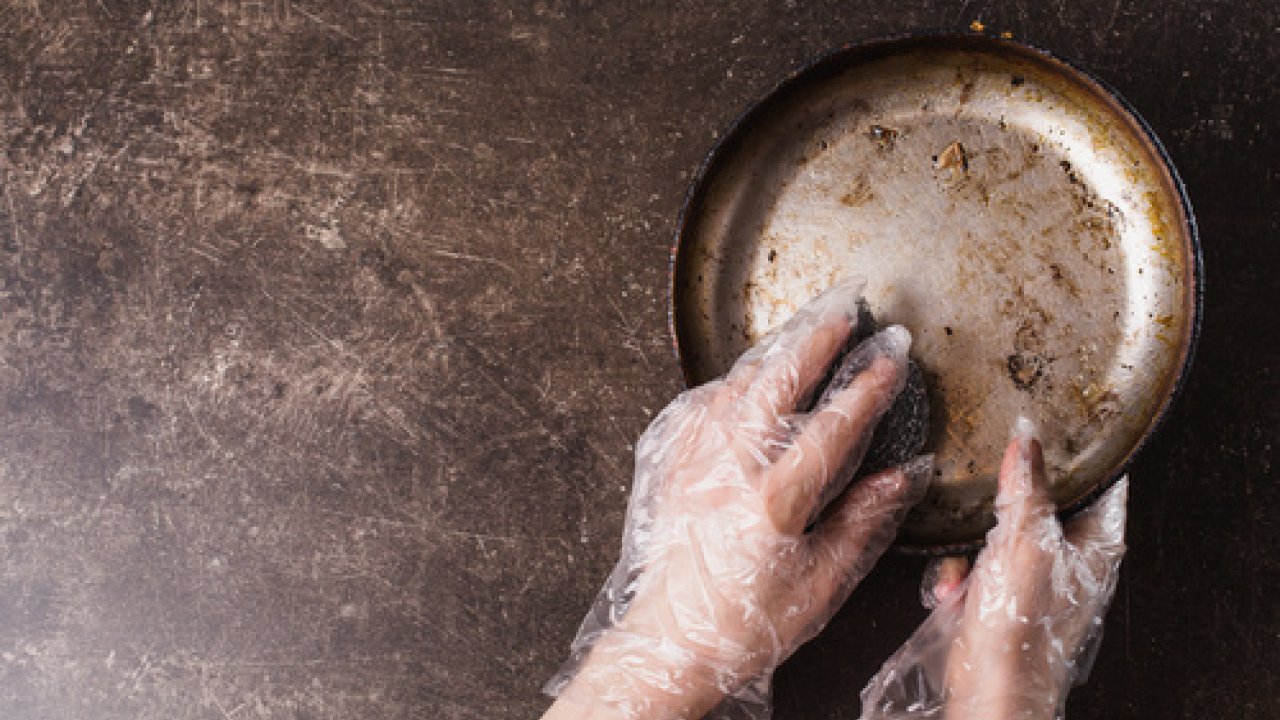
1008,208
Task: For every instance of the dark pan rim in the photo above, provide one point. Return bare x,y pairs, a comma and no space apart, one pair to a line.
835,60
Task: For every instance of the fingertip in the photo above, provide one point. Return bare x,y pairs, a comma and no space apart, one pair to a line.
1024,430
844,294
887,490
888,350
896,340
943,578
1022,470
894,481
837,303
919,471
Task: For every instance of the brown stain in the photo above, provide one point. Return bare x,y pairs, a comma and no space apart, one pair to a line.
1162,240
858,193
885,137
1024,370
1064,279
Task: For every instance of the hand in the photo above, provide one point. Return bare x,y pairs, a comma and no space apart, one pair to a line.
719,581
1008,643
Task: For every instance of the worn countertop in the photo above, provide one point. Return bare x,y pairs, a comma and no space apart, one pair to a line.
325,329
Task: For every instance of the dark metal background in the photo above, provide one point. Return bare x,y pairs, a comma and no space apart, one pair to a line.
325,328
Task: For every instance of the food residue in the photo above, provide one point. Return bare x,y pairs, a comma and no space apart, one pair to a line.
884,136
953,158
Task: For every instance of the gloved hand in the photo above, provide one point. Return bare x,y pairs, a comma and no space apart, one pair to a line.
719,581
1008,643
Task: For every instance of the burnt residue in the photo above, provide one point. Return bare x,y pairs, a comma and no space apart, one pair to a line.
858,193
1030,361
1025,370
1064,279
885,137
1072,177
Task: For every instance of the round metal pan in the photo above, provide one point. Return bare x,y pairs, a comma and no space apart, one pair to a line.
1010,210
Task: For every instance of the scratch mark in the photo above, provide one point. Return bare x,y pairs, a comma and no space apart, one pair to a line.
207,256
312,329
515,402
423,525
322,22
604,456
221,709
473,258
445,70
200,428
632,341
626,441
13,214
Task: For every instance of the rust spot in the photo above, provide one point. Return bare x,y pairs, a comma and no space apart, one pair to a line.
1100,403
859,193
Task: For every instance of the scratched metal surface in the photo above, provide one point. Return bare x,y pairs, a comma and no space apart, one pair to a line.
325,326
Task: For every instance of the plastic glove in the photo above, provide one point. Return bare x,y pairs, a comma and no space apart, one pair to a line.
1008,643
719,581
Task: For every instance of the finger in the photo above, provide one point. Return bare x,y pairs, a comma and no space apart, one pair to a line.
784,367
1011,574
1023,484
788,373
864,520
942,579
832,439
1101,525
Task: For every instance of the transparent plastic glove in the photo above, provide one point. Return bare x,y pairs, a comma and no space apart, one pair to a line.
719,581
1011,640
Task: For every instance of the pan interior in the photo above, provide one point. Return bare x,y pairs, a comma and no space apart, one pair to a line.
1003,208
